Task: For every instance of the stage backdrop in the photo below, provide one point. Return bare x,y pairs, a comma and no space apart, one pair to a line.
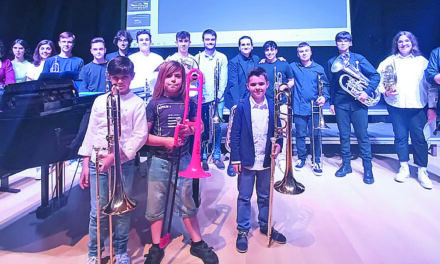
373,23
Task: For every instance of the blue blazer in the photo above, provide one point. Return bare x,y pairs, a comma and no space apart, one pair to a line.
242,142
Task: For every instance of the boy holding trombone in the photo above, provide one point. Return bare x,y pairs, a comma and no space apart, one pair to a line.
309,76
252,129
134,132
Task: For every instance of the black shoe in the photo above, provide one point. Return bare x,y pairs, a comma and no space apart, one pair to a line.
219,163
230,170
205,165
276,236
204,252
368,176
154,256
242,242
343,170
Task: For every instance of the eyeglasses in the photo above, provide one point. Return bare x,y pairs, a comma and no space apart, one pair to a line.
123,40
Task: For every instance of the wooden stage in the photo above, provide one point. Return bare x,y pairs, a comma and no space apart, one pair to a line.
336,220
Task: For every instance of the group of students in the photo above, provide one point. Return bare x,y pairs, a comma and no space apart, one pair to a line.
245,81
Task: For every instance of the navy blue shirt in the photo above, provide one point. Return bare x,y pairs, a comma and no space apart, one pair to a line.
115,54
306,86
93,78
281,66
163,113
72,64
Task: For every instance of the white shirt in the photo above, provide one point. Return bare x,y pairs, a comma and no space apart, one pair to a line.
35,71
207,66
411,86
189,62
260,124
144,69
134,127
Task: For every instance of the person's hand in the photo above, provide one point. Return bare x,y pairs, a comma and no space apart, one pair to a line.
277,149
432,115
169,142
185,131
332,109
320,101
362,96
84,179
237,168
391,92
105,162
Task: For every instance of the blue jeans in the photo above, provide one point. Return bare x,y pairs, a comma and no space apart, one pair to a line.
246,181
359,118
158,180
218,130
121,223
303,125
410,121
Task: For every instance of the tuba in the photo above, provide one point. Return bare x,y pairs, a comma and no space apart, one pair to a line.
353,81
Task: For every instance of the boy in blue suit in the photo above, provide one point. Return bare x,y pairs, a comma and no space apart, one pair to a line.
252,128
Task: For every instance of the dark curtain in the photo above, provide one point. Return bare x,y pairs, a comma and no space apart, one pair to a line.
374,23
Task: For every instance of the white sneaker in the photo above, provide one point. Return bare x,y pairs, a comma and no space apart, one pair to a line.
403,174
92,260
424,179
123,258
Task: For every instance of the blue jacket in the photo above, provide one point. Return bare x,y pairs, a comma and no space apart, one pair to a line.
433,67
242,142
238,68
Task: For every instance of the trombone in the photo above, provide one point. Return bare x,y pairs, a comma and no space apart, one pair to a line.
119,202
288,185
317,110
214,114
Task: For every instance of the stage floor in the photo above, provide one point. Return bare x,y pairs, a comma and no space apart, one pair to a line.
336,220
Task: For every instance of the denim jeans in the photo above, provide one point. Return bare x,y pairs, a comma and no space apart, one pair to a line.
410,122
246,181
158,179
218,130
303,126
121,223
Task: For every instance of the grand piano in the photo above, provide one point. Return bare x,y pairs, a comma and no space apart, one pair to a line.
41,123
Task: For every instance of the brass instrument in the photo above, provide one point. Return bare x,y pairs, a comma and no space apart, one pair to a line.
214,115
389,78
119,203
228,133
55,66
353,81
315,109
288,185
98,211
271,186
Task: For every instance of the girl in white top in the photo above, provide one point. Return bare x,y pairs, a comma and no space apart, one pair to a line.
407,94
19,63
44,50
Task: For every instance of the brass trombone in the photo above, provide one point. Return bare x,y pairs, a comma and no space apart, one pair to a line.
317,110
288,185
119,202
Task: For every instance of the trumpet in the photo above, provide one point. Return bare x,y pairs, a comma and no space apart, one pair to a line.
353,81
194,169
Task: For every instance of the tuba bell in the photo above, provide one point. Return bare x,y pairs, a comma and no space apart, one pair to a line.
353,81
